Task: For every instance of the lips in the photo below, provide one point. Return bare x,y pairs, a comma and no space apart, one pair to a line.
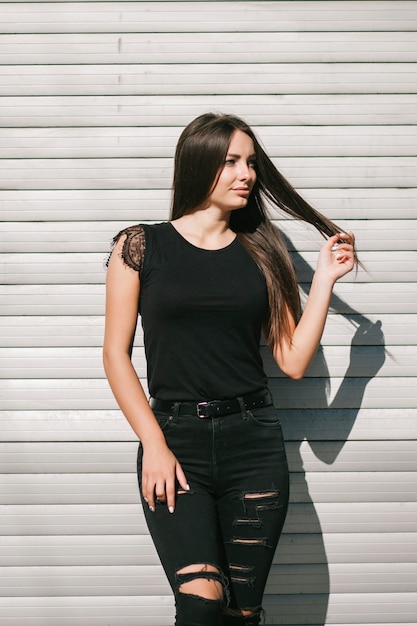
242,191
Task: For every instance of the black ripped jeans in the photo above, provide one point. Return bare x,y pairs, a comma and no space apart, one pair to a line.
231,518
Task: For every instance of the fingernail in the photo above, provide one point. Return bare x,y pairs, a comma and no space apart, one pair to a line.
171,509
152,509
187,486
146,499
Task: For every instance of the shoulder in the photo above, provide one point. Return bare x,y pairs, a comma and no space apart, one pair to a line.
129,244
132,243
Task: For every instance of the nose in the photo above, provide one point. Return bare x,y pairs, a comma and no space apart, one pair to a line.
244,172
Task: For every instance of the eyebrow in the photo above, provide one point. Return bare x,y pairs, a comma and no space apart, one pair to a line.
237,156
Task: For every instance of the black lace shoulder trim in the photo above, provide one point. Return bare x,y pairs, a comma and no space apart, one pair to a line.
133,250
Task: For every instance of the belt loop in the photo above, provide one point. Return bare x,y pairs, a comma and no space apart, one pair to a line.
175,409
242,407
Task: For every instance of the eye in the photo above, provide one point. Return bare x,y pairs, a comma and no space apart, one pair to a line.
230,162
252,163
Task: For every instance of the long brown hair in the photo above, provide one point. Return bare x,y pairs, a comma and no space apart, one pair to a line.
199,160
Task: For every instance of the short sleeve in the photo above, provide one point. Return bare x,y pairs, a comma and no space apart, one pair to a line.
133,250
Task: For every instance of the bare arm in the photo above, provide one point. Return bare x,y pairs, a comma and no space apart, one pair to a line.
160,466
295,355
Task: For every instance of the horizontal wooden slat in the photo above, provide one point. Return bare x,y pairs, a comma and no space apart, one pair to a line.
113,580
138,549
354,487
59,299
83,363
84,519
120,457
337,425
60,331
345,578
193,79
86,362
366,456
87,331
126,519
359,609
56,394
146,142
352,517
54,268
315,425
84,17
88,611
84,581
355,392
66,489
85,550
68,425
99,205
134,205
157,173
226,47
85,236
94,394
159,611
122,488
358,547
281,110
79,299
88,268
72,457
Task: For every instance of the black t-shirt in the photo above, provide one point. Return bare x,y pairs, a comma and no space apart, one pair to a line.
202,313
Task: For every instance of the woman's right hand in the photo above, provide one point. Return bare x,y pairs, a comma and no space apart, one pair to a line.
160,473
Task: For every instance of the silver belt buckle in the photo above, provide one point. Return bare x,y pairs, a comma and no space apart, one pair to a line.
202,412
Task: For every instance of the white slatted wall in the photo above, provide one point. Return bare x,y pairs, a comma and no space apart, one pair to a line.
93,97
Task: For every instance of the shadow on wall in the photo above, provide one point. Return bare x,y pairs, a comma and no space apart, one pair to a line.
307,602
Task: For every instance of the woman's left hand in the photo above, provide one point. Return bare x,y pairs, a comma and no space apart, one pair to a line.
336,257
295,355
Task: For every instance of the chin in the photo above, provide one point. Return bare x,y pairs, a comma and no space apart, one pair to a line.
241,205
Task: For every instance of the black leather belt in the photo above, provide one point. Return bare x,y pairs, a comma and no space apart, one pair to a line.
213,408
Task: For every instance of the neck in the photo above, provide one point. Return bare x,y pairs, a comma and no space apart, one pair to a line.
206,228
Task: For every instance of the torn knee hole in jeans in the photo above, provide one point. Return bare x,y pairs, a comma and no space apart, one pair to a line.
217,589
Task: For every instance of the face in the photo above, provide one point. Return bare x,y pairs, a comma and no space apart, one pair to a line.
238,175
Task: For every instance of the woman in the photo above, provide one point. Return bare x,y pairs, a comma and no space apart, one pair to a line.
212,467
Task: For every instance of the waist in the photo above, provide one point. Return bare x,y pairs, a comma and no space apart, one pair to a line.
213,408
